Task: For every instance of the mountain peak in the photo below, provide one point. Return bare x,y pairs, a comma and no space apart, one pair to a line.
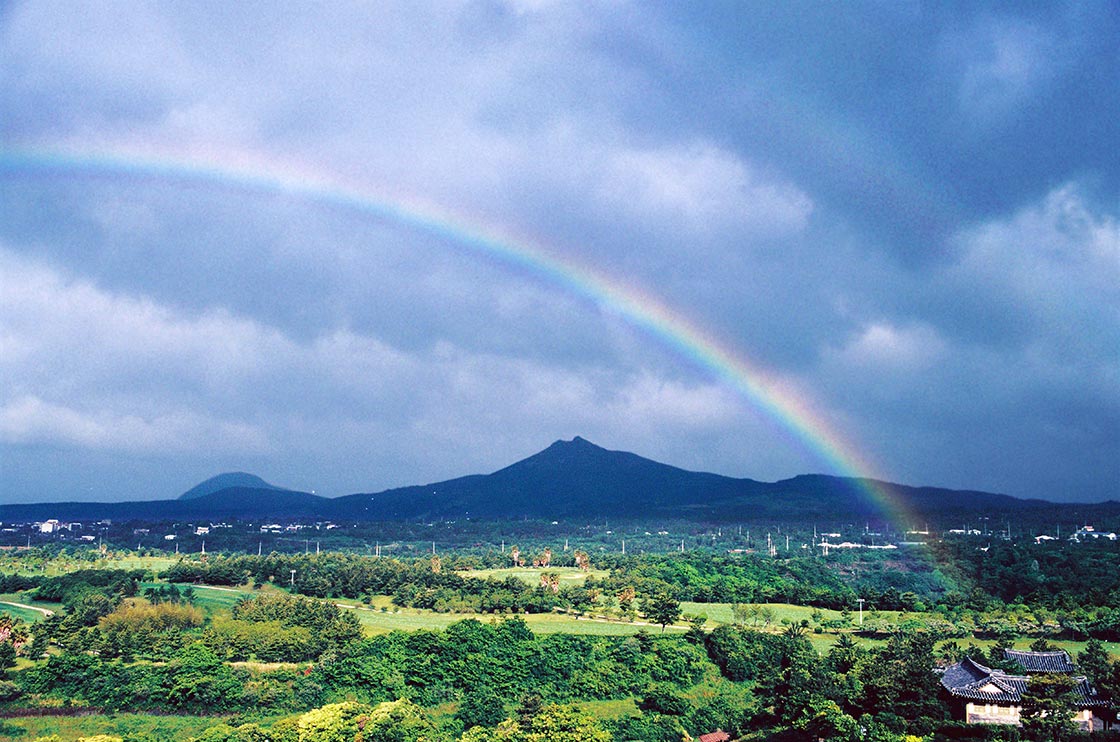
225,481
577,442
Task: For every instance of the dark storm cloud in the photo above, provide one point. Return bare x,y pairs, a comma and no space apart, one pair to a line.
907,212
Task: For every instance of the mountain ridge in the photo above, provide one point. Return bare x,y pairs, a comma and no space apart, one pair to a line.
568,479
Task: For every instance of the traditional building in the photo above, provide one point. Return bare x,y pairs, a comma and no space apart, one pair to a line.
983,695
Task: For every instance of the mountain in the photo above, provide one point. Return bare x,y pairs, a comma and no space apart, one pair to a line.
225,481
574,480
250,503
569,478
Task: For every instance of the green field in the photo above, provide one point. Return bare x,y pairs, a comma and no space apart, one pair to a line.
161,727
59,566
375,621
209,598
532,575
610,709
154,564
28,614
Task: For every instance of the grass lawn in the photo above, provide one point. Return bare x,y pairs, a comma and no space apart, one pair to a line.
610,709
374,621
155,564
27,614
532,575
1073,647
208,598
170,728
720,613
60,566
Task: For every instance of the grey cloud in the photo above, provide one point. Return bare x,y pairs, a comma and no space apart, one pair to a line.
868,203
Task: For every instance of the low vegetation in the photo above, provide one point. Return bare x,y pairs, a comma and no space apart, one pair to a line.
303,647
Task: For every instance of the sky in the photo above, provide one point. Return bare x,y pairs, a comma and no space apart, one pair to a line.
352,246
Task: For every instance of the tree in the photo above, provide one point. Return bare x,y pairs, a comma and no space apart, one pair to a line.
335,722
626,601
1094,662
1048,708
1041,645
481,705
579,599
741,613
7,655
550,724
198,679
393,721
825,720
662,608
900,678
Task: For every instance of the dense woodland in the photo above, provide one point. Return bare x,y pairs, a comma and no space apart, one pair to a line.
283,662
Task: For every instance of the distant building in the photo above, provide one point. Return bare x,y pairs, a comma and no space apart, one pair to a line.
50,526
1086,533
983,695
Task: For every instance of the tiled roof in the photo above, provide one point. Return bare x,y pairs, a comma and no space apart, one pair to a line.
1057,661
970,680
717,736
966,679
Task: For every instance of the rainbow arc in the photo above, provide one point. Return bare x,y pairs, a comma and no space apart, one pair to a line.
789,409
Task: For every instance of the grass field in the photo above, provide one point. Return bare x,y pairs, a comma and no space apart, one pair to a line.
27,614
155,564
55,567
375,621
129,726
610,709
209,598
532,575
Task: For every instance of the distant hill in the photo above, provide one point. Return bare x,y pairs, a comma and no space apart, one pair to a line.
570,479
225,481
579,479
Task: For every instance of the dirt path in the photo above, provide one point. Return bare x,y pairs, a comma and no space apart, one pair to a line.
44,611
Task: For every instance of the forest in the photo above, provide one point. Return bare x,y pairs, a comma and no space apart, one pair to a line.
466,646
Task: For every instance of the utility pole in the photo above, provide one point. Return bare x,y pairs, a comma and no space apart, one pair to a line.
293,580
860,601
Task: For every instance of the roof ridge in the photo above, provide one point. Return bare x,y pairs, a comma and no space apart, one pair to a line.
977,665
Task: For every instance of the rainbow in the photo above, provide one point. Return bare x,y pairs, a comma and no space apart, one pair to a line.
787,407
